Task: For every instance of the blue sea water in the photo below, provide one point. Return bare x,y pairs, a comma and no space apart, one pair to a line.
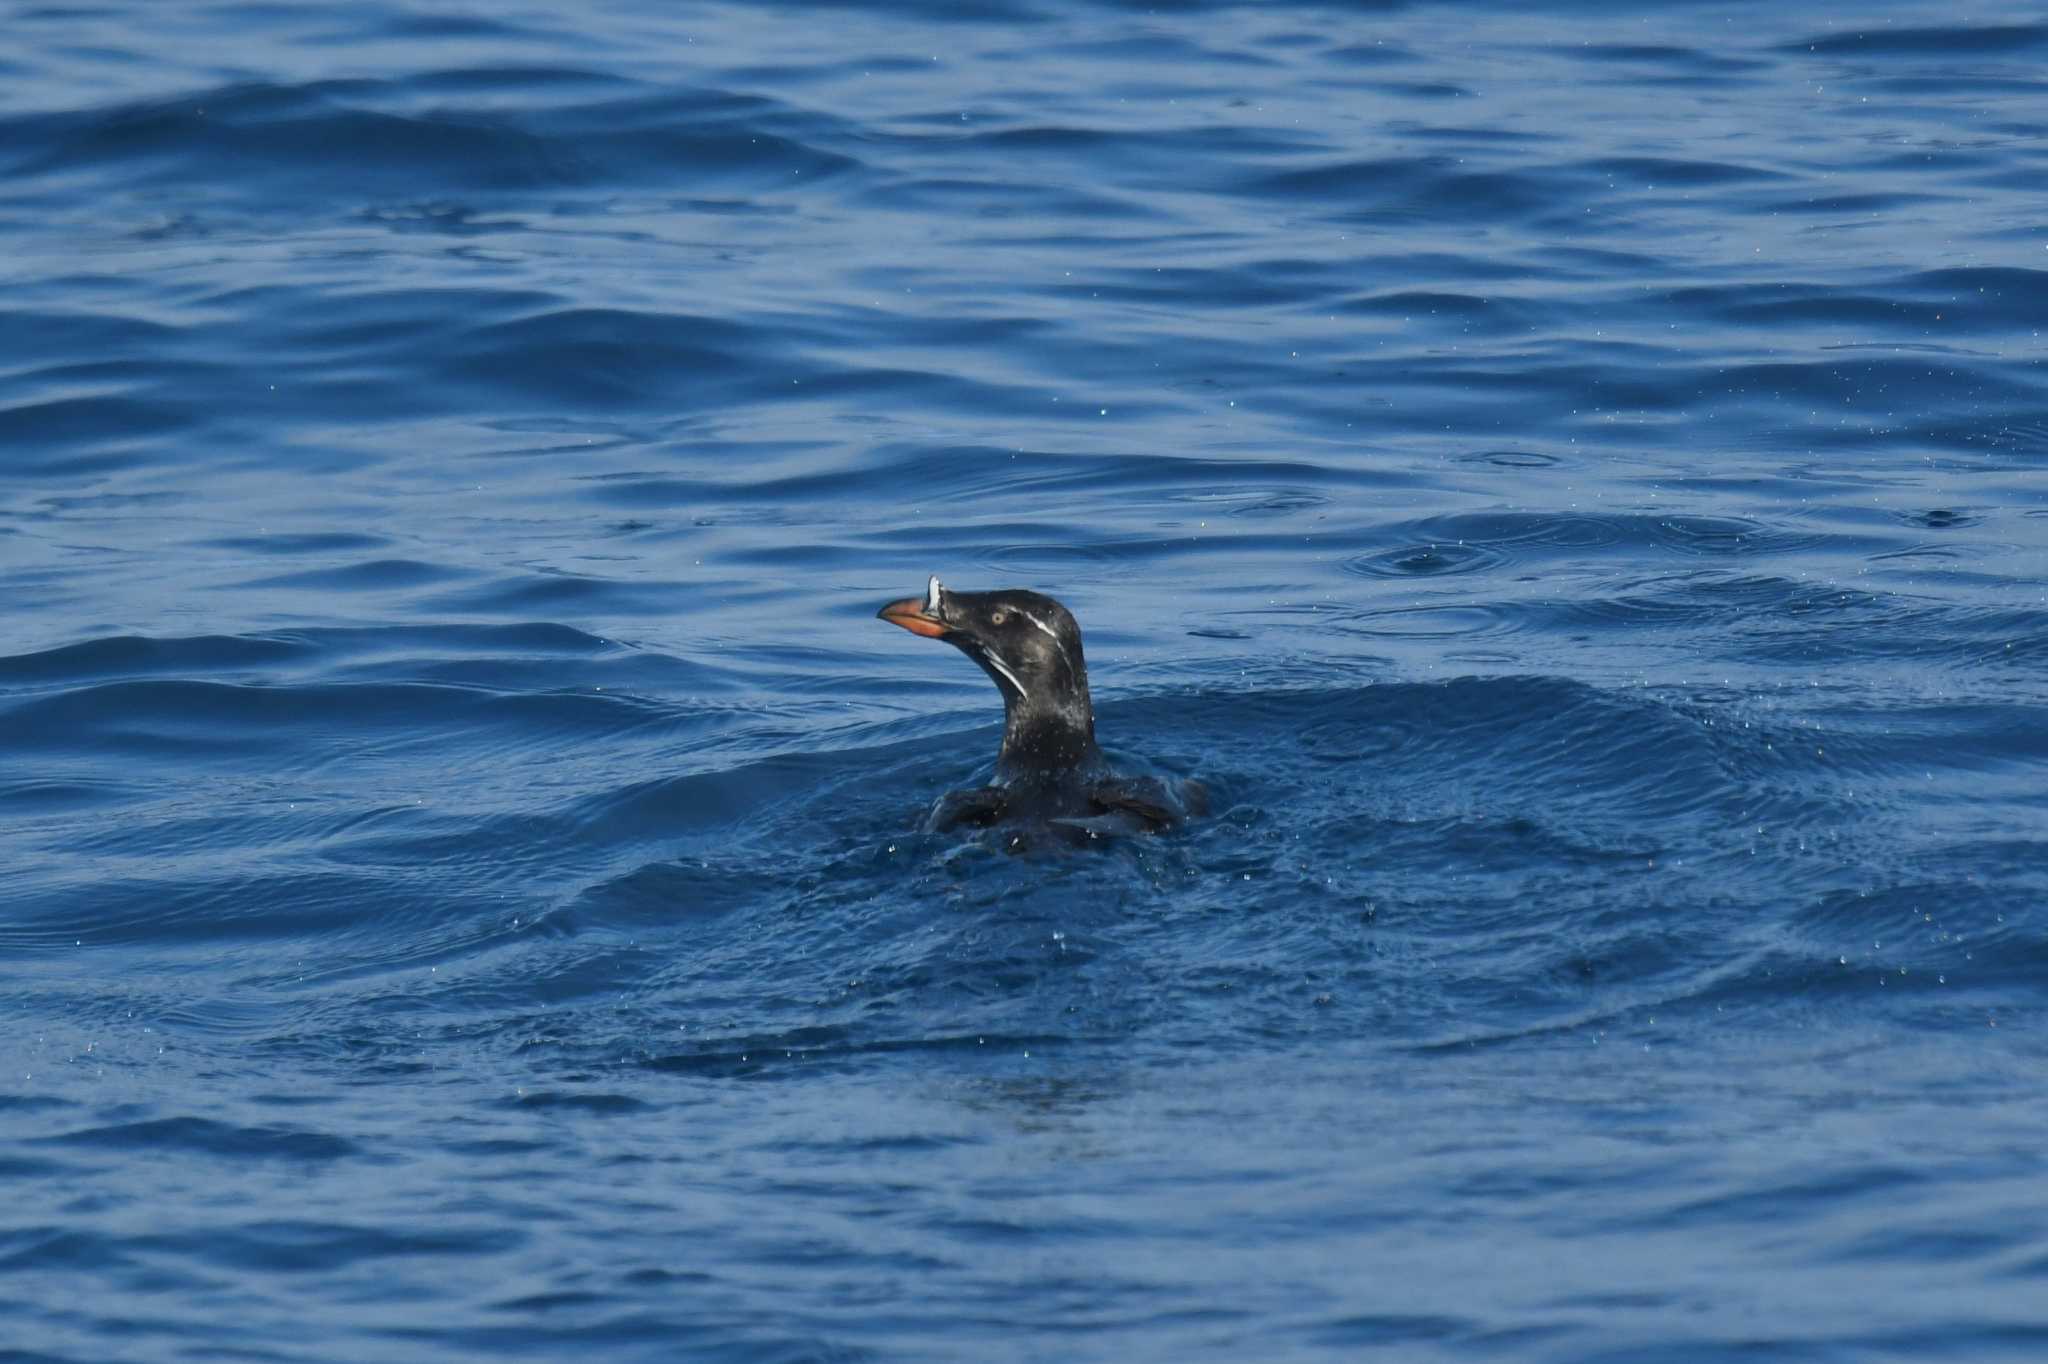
1574,485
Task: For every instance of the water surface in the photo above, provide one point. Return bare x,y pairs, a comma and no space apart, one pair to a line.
1572,485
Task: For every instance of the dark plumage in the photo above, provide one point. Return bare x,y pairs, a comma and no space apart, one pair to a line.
1049,768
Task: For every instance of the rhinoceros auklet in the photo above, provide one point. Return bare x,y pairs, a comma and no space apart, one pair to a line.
1049,769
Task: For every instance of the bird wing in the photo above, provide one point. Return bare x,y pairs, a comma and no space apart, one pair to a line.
980,807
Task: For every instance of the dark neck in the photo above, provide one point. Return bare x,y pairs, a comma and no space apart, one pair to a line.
1046,737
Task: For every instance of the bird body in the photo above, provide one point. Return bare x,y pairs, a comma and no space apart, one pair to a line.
1049,768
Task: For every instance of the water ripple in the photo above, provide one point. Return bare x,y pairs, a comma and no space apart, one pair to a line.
1569,494
1426,561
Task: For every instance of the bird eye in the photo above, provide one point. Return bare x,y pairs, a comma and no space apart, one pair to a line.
997,619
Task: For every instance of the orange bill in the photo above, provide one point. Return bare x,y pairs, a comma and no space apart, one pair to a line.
910,614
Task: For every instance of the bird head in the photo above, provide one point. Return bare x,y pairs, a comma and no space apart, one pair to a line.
1030,647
